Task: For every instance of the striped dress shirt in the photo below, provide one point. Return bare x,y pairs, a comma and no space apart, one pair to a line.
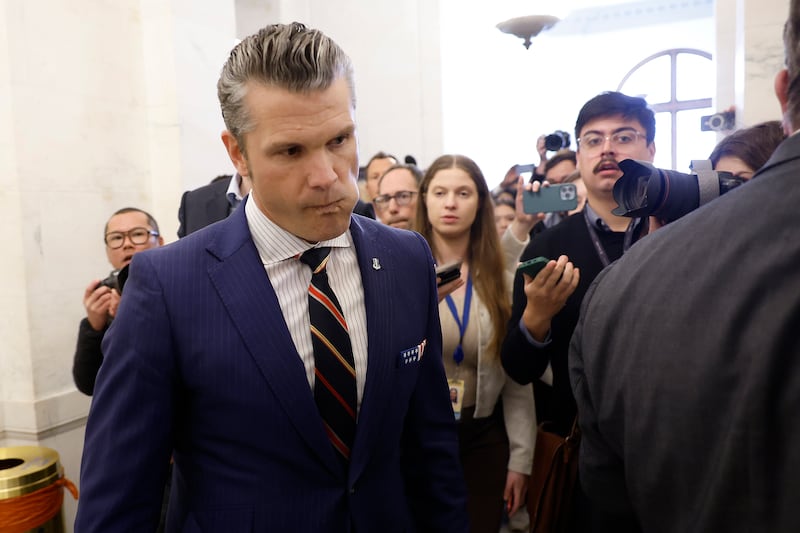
290,279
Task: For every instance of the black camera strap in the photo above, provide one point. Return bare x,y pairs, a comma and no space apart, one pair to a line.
598,246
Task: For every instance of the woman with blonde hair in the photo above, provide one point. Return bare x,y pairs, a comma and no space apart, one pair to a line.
496,416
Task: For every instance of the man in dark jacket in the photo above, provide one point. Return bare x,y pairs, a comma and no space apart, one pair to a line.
210,203
128,231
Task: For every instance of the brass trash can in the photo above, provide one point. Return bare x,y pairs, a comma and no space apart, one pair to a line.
31,490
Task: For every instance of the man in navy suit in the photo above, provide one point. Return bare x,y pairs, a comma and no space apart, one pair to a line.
210,360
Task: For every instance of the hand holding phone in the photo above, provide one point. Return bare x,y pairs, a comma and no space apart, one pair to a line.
447,273
533,266
553,198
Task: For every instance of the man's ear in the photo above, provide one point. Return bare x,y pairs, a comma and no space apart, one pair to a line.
782,89
782,92
652,149
235,153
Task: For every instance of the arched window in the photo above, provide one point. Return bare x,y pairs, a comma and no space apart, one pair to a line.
677,85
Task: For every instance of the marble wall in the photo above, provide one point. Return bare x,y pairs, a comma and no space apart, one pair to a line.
749,54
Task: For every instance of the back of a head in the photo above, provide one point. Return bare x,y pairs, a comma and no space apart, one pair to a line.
791,42
610,104
288,56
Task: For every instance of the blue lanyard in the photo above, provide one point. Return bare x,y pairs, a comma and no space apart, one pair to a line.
458,353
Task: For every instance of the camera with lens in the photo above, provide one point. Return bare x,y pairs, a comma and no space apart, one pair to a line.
557,140
723,121
644,190
116,279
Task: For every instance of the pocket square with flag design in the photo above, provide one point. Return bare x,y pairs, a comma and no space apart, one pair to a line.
412,355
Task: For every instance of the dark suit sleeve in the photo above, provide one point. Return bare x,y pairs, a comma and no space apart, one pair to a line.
522,361
128,435
602,473
182,216
88,357
434,479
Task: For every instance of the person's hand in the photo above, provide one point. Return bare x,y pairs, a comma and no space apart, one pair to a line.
449,288
541,149
514,494
547,294
114,305
524,222
510,179
97,300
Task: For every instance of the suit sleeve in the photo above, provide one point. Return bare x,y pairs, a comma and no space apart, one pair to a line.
434,479
128,434
602,473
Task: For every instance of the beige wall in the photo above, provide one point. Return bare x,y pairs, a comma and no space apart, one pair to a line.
749,54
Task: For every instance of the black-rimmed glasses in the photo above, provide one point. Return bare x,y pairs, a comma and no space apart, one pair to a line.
401,197
115,239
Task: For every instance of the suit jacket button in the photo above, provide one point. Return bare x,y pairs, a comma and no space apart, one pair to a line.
352,490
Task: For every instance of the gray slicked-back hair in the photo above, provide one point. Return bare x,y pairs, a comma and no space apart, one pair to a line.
289,56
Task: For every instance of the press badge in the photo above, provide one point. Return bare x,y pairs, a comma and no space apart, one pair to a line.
456,395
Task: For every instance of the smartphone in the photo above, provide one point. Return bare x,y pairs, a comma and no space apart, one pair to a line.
532,267
521,169
559,197
447,273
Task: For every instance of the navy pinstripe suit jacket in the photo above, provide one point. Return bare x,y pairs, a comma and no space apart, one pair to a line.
199,365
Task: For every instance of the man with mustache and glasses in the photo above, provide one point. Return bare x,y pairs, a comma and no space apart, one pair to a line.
610,127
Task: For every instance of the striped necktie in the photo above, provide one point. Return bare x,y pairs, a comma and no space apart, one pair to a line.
334,368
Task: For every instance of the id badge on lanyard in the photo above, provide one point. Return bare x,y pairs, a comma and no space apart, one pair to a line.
457,385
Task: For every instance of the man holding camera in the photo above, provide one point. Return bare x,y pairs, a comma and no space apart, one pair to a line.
610,127
128,231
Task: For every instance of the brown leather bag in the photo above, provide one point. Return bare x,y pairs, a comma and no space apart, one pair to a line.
552,481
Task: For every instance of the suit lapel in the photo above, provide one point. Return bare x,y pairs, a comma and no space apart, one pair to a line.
378,287
242,283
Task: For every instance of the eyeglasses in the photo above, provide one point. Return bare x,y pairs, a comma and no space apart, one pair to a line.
401,197
116,239
620,140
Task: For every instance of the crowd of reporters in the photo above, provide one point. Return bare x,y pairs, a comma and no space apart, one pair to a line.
506,335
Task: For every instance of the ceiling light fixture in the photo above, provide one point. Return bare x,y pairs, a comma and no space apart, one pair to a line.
527,27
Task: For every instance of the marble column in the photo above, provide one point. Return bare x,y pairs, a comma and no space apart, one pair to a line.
749,54
102,105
